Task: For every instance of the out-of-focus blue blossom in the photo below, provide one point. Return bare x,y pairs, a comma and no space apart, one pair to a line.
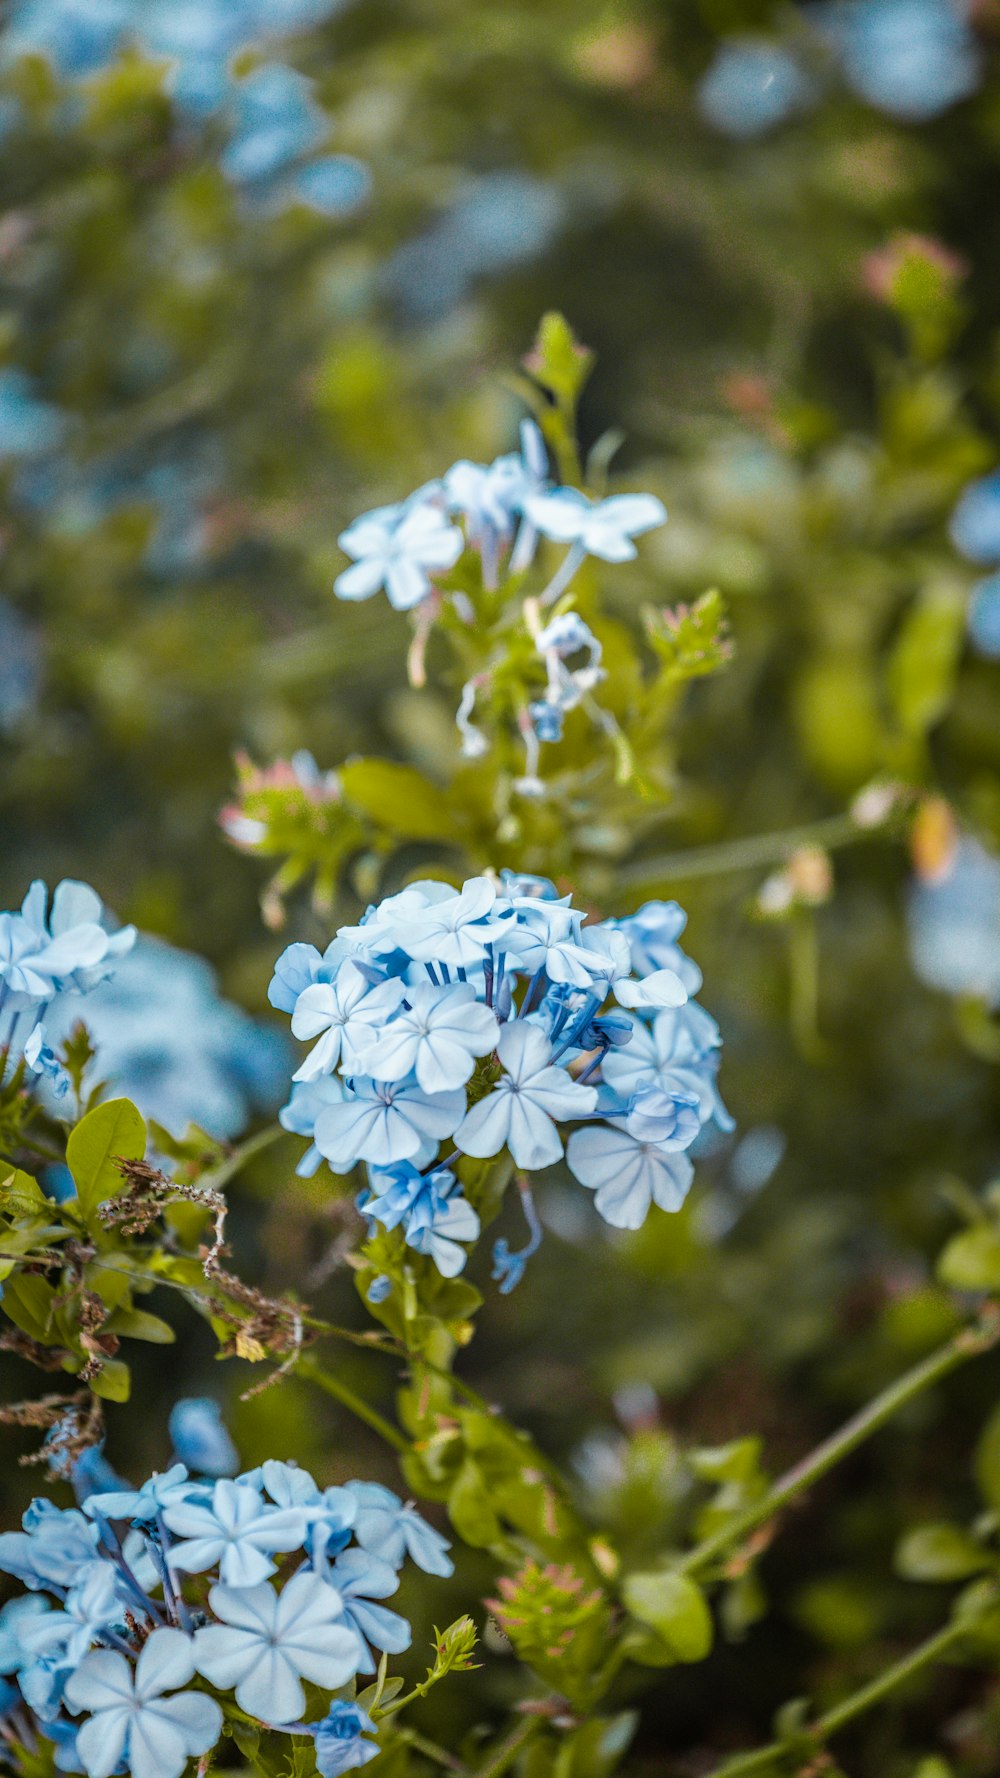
954,925
753,85
911,58
276,121
52,1549
652,932
13,1618
603,528
79,36
984,617
201,1439
341,1742
335,184
388,1529
310,1098
167,1041
975,523
48,954
28,427
398,548
496,220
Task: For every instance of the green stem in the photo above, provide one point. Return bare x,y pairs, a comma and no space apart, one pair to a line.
233,1163
968,1343
924,1655
356,1404
753,852
431,1750
507,1750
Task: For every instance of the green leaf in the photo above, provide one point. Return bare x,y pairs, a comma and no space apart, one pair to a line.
471,1509
30,1303
939,1552
971,1260
247,1739
675,1608
986,1464
924,662
136,1324
112,1382
20,1195
397,797
557,360
112,1130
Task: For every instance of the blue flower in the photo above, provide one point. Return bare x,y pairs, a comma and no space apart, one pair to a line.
310,1098
385,1122
911,58
399,548
51,1550
359,1577
63,1637
437,1035
130,1718
975,523
234,1530
268,1642
200,1437
388,1529
340,1739
652,932
984,617
15,1617
276,121
753,85
434,1215
521,1112
28,427
627,1174
341,1014
603,528
670,1120
954,926
142,1506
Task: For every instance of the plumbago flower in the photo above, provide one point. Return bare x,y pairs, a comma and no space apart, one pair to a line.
46,953
493,1022
123,1663
494,515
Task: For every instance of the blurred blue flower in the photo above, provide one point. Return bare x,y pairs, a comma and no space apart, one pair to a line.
80,36
753,85
20,667
954,926
984,617
911,58
335,184
496,220
388,1529
276,120
167,1040
28,427
975,523
201,1439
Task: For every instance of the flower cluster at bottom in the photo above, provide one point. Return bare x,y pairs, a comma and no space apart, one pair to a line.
154,1615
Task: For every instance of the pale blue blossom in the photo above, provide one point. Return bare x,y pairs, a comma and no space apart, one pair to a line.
267,1642
602,528
652,932
984,617
130,1718
233,1530
384,1122
670,1120
753,85
51,1550
309,1099
679,1053
457,929
201,1439
399,548
142,1506
954,926
911,58
520,1113
437,1035
361,1578
388,1529
341,1014
975,523
627,1174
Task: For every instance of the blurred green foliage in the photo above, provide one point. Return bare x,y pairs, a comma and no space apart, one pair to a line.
809,387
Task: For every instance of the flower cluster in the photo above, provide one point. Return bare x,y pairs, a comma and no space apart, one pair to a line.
151,1612
45,953
499,511
489,1021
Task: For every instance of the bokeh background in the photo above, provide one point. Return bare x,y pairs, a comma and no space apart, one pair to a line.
264,265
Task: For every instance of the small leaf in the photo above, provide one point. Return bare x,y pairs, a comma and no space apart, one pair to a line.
924,662
113,1129
136,1324
971,1260
397,797
675,1608
112,1382
20,1195
939,1552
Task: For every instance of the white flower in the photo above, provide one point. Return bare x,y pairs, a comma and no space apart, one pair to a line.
518,1114
268,1642
602,528
437,1037
398,547
628,1175
131,1720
